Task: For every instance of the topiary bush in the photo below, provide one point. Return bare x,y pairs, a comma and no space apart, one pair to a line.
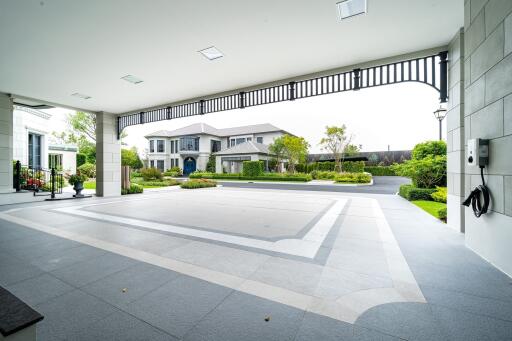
252,168
88,170
80,159
353,166
443,214
411,192
151,174
440,194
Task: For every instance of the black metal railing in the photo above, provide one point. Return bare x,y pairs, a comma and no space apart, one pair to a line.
430,70
37,179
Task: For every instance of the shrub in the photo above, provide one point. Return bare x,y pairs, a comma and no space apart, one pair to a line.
80,159
424,173
134,188
74,178
252,168
151,174
211,165
301,167
440,194
379,170
328,166
324,175
411,193
198,183
88,169
359,178
134,174
155,183
443,214
432,148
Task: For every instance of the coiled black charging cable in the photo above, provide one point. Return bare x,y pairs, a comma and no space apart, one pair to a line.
479,208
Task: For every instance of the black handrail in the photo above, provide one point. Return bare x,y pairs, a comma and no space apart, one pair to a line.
37,179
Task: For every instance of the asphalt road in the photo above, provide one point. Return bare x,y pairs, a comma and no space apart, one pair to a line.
381,185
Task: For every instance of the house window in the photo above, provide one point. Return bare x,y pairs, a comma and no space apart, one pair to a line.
172,163
172,147
151,146
232,143
55,161
176,163
160,145
259,139
34,150
152,164
160,165
189,143
249,139
240,140
215,146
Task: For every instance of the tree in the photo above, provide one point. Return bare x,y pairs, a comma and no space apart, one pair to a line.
278,150
211,165
81,132
295,149
337,142
130,157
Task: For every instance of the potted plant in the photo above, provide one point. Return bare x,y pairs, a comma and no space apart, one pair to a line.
77,180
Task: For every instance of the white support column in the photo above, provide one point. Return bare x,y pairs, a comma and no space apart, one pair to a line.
108,156
6,134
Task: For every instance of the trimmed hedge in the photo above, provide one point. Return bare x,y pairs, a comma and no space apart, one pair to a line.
347,166
198,183
380,170
411,193
163,183
252,168
265,177
358,178
87,169
134,188
324,175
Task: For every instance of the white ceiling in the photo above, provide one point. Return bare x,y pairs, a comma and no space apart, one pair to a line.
51,49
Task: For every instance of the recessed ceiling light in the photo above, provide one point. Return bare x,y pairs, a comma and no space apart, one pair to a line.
349,8
82,96
211,53
132,79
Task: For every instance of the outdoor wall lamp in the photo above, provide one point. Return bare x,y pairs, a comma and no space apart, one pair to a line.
440,114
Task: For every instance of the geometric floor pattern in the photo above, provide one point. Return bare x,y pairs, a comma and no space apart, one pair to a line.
192,266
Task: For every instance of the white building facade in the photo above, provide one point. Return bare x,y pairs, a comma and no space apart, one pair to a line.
190,147
33,145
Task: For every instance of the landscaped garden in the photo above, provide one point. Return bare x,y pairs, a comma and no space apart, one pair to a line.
427,170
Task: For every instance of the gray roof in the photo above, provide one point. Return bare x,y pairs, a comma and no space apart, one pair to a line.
203,128
248,147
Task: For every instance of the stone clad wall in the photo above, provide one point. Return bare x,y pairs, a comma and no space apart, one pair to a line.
455,134
108,156
488,114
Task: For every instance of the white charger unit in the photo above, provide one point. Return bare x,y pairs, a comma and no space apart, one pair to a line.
478,152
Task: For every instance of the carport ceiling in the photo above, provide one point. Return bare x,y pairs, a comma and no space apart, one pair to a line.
52,49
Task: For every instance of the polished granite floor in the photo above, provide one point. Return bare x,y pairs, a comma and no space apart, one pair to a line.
379,269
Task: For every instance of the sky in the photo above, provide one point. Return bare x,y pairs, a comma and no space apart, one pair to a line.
398,116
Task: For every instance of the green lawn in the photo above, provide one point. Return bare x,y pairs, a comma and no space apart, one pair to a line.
90,184
431,207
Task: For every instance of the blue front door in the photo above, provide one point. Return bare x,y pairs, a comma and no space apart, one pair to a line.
189,166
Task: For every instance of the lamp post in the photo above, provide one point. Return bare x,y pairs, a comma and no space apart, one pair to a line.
440,114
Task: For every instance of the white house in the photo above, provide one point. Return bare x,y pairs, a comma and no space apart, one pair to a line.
190,147
33,145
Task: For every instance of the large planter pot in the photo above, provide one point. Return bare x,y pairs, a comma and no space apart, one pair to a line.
78,187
